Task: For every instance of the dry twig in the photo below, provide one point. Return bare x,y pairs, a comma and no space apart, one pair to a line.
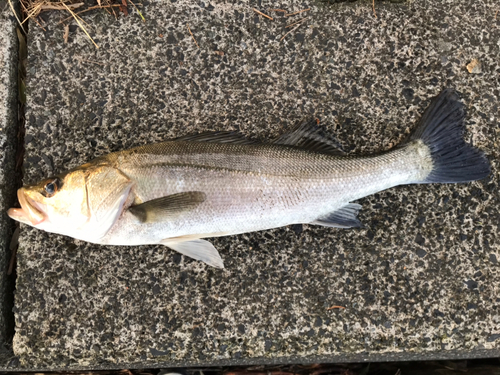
262,14
373,6
300,11
295,28
192,36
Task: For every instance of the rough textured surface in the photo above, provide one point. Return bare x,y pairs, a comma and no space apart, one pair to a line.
421,280
8,142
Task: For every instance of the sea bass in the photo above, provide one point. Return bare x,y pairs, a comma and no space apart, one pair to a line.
178,192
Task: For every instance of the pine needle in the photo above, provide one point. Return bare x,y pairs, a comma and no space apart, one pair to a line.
336,307
89,9
262,14
294,13
49,6
138,11
17,18
34,11
80,24
293,24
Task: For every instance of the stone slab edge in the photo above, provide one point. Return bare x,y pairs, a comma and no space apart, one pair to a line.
448,355
8,185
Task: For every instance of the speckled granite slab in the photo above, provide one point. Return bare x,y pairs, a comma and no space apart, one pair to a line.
8,143
420,281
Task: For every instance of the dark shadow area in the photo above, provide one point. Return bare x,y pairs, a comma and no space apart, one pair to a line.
12,171
489,366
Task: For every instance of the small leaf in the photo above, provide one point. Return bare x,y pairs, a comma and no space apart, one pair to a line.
22,91
123,7
23,50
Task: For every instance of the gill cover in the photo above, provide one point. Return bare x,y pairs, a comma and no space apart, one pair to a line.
107,189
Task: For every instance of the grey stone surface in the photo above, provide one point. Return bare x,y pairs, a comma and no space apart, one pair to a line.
8,142
420,281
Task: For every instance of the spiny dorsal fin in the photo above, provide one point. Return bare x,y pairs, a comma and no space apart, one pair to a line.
167,208
217,137
344,217
307,134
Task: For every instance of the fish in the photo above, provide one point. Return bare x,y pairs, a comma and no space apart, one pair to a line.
177,193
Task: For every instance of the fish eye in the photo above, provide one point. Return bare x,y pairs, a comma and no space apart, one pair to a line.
51,187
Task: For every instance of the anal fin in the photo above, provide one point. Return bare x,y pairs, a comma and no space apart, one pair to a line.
344,217
197,249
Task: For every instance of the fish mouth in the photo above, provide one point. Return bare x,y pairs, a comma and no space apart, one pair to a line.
29,213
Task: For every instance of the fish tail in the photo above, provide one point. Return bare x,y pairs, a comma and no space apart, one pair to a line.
441,129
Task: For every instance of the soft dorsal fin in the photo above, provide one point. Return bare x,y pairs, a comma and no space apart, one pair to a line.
344,217
167,208
307,134
218,137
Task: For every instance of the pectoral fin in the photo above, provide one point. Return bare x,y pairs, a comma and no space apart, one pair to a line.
167,208
344,217
199,250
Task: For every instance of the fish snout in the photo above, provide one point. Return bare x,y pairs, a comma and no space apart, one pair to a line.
29,213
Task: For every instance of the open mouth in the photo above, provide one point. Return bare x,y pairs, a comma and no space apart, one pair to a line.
29,212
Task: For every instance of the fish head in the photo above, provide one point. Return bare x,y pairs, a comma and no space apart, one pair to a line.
83,203
57,204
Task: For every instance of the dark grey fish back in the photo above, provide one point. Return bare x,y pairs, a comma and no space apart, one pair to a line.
251,158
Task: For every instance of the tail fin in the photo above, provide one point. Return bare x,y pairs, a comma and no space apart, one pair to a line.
441,129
